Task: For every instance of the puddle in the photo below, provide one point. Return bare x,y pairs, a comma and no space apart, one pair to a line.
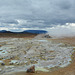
42,40
3,52
14,61
1,61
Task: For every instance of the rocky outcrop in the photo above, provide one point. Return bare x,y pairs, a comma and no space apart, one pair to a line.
31,69
47,36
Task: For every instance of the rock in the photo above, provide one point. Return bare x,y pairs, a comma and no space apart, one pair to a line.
10,63
47,36
31,69
2,64
13,62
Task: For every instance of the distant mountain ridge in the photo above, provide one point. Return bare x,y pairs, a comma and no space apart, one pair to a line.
5,31
26,31
36,31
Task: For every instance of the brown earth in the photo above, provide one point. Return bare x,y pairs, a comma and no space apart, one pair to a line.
17,35
67,40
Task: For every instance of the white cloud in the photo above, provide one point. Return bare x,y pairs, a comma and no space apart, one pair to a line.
4,28
21,21
62,30
13,29
57,31
53,11
18,15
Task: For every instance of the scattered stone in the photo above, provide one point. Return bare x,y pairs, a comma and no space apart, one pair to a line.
31,69
14,61
2,64
10,63
47,36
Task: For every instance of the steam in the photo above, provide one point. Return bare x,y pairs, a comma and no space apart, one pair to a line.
67,30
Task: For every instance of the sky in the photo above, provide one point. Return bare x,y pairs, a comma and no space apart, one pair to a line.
50,15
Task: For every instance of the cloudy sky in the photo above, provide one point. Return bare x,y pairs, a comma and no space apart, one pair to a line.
19,15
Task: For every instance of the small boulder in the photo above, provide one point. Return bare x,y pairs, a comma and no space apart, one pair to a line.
31,69
47,36
2,64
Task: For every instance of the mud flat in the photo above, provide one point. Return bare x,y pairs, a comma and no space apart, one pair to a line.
18,54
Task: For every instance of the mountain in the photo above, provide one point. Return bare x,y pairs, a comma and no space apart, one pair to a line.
5,31
26,31
35,31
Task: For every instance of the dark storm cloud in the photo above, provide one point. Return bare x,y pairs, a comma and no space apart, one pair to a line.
9,21
49,11
64,4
